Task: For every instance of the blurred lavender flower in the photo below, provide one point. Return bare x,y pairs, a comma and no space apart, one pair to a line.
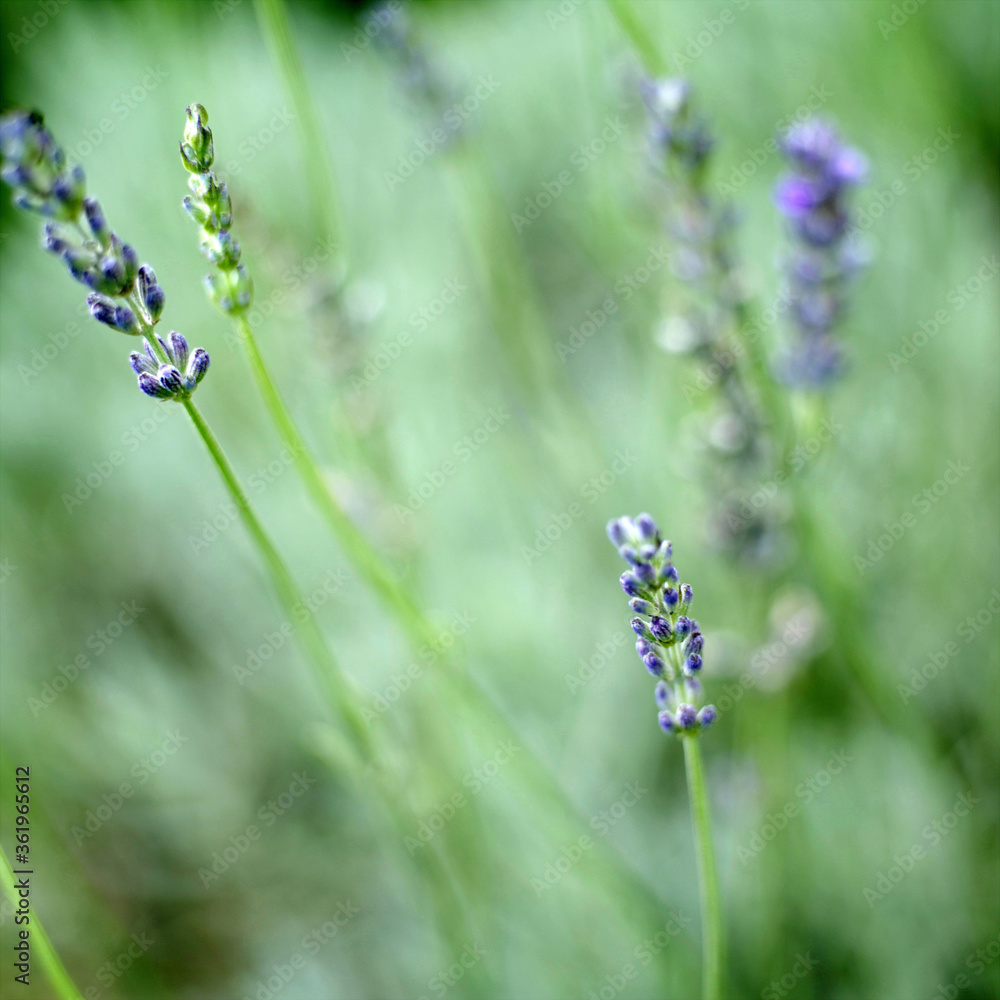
670,643
706,311
813,197
231,289
124,296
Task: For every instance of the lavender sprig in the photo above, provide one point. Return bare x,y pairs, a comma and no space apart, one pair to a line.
124,295
670,642
814,196
231,288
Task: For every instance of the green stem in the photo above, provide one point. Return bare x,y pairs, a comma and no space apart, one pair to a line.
55,971
335,684
358,548
629,21
369,565
277,31
708,879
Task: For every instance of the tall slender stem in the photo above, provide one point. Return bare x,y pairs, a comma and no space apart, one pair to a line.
55,971
359,550
708,879
273,17
336,685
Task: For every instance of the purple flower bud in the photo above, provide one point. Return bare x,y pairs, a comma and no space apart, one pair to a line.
645,572
198,364
646,527
797,196
693,663
687,595
641,629
653,664
642,607
662,694
849,166
178,349
170,379
665,551
669,574
706,716
666,722
682,626
630,584
687,716
643,648
152,387
125,320
101,308
141,364
616,532
95,219
695,643
670,598
660,627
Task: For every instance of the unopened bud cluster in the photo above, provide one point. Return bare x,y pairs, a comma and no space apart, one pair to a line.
669,642
230,288
124,295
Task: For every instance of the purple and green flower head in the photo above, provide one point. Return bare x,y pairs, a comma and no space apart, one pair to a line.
669,641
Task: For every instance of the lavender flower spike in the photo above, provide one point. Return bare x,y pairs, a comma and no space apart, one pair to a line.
670,643
813,197
125,296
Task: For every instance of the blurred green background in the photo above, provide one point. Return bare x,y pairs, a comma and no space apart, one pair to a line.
454,306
